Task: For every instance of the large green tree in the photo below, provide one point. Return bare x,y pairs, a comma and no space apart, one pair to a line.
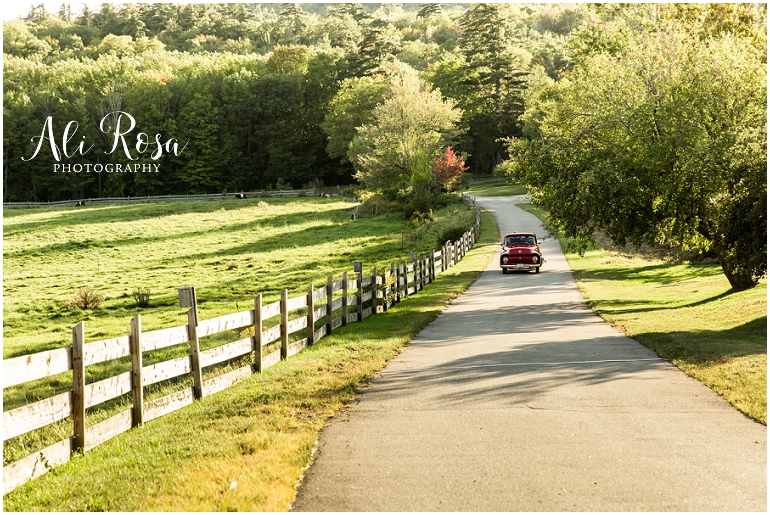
649,144
350,108
408,129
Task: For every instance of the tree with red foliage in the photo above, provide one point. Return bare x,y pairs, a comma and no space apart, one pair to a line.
447,168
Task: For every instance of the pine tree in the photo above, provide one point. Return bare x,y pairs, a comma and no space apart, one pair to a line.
428,10
487,39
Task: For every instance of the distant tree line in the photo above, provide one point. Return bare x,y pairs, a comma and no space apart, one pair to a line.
252,89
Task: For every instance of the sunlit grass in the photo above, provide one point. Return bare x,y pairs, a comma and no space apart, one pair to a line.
245,447
228,250
496,189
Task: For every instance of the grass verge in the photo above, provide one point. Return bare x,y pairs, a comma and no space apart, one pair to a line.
497,189
687,313
245,448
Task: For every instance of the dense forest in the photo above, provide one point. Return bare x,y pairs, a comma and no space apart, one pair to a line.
266,95
645,121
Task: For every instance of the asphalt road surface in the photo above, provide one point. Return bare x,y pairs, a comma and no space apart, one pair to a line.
519,398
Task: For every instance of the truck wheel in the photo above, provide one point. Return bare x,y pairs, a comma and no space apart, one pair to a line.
537,270
504,270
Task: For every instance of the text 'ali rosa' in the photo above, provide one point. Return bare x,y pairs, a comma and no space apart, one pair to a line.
111,123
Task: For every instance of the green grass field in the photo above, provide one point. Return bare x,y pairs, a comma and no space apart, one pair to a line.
228,250
688,314
245,448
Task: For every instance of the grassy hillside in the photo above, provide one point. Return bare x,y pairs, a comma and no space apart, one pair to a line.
245,447
228,250
496,189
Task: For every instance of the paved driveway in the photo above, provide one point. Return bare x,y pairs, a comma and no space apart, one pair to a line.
519,398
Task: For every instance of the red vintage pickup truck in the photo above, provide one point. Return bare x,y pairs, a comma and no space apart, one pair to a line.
520,252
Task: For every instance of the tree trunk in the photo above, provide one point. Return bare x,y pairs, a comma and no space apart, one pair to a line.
739,277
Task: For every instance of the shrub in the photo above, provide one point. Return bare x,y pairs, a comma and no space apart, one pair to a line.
387,284
373,204
422,198
142,297
452,234
350,191
418,225
316,183
86,298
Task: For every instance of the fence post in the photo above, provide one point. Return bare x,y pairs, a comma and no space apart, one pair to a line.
405,278
418,274
256,343
421,260
329,292
444,254
432,265
344,298
358,268
78,387
397,281
374,290
387,287
458,247
195,349
135,341
310,315
415,272
284,324
394,283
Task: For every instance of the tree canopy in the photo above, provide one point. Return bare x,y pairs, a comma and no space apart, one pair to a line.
395,144
658,140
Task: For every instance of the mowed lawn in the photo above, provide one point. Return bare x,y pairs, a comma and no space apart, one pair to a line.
685,312
228,250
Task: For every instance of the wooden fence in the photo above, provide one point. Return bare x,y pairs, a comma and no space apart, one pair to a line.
109,201
297,322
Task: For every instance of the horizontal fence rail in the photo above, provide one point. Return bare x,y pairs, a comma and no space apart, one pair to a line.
109,201
263,336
